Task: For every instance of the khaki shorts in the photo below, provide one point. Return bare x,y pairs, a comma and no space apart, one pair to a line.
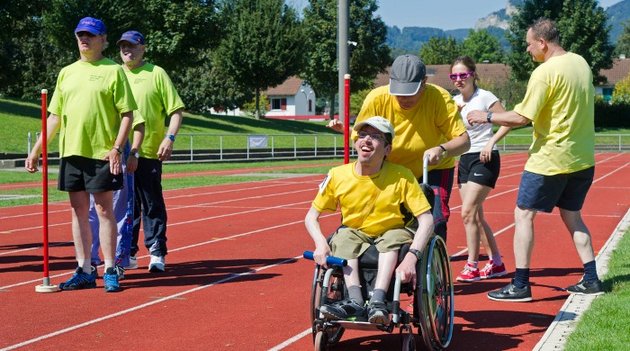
351,243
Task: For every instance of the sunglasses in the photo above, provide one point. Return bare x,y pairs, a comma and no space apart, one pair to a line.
461,76
373,136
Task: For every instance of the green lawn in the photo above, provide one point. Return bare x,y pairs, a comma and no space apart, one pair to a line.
606,324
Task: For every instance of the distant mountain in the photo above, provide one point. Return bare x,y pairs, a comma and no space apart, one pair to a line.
411,39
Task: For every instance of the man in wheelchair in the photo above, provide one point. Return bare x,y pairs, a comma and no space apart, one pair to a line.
369,193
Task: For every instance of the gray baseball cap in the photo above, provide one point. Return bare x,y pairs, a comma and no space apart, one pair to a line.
379,123
406,75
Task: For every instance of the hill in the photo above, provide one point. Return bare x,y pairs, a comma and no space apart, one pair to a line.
411,39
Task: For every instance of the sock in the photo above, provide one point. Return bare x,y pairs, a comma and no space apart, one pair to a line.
85,265
109,264
355,294
590,271
472,264
378,295
521,278
496,259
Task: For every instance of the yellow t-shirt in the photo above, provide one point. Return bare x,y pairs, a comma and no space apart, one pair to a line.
371,203
157,99
89,98
433,121
560,103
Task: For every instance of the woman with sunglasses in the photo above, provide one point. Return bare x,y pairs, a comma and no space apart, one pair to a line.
478,170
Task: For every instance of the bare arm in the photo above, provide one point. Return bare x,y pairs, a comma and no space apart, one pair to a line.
507,119
166,147
453,147
407,268
322,250
114,156
52,125
486,153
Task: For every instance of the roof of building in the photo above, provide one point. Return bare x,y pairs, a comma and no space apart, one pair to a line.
619,71
289,87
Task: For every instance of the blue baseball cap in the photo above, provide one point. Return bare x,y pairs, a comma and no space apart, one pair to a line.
133,37
92,25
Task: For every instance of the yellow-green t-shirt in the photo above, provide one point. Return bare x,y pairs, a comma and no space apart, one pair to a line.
157,98
560,103
371,203
89,99
434,120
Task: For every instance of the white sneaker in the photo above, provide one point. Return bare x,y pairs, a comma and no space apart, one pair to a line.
157,264
133,263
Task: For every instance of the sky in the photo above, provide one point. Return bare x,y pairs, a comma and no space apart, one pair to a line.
443,14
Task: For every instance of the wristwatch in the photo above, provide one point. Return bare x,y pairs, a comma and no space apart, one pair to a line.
171,137
489,117
417,253
118,149
135,154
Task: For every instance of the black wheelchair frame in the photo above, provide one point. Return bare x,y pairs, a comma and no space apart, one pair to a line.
433,302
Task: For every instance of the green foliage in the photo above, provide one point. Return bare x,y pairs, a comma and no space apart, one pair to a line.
623,42
582,26
263,44
369,57
440,51
510,92
621,94
356,101
481,46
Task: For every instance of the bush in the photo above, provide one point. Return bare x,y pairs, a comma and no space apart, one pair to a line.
616,115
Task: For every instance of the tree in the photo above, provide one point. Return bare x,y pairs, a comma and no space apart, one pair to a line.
621,94
440,51
481,46
623,42
369,57
582,26
263,45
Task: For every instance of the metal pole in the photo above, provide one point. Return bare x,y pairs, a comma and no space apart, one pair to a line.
342,50
346,119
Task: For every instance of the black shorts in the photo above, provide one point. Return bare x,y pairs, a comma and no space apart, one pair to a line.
471,169
78,173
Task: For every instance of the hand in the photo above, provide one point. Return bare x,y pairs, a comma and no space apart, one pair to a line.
31,162
335,125
486,153
320,254
132,164
434,155
115,167
407,269
460,107
165,150
477,117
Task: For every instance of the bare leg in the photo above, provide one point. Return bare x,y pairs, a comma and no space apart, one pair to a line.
523,236
81,231
386,266
473,195
107,226
581,236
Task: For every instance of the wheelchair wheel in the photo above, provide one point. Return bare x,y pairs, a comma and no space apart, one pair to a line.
436,302
334,292
320,341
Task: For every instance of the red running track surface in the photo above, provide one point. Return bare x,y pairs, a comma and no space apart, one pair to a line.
235,278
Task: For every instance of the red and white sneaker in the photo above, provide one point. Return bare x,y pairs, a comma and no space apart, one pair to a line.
491,270
468,274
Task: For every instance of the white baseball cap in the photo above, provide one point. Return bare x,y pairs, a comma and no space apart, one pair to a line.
377,122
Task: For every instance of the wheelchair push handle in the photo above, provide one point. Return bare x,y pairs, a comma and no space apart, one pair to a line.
330,260
425,170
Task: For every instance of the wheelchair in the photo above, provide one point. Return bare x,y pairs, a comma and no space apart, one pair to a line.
427,324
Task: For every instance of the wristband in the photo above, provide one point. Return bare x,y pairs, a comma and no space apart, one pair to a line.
171,137
443,148
117,148
489,117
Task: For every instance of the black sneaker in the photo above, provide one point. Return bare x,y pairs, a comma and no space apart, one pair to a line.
586,288
344,309
80,280
378,313
511,293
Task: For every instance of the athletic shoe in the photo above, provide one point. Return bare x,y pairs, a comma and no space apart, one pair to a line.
378,313
511,293
468,274
110,280
80,280
157,264
344,309
120,272
133,263
491,270
95,270
586,288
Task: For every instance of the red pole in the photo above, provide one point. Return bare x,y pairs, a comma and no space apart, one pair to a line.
346,119
45,287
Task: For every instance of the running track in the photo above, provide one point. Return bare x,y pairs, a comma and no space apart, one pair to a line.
235,278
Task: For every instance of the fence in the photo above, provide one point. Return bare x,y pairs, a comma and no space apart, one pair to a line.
201,147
